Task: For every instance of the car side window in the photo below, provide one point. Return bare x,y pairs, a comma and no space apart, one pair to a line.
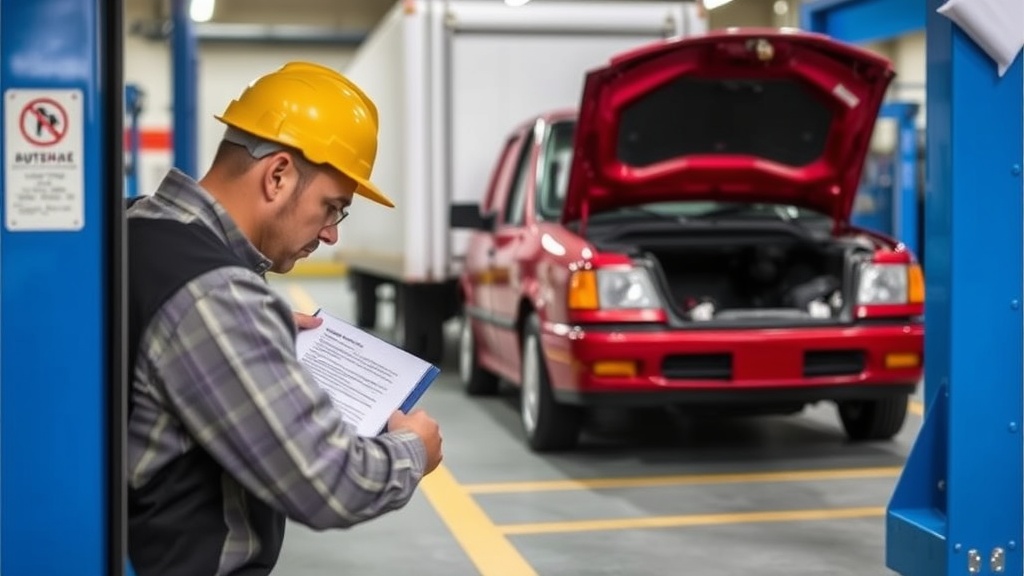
514,209
498,186
557,161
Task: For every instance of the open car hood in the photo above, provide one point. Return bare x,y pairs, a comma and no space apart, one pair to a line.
740,115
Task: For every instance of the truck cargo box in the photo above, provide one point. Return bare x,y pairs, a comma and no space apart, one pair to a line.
450,80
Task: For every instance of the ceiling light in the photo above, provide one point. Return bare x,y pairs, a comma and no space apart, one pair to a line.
201,10
516,3
712,4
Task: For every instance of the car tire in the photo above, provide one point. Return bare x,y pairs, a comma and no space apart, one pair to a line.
873,419
477,380
549,426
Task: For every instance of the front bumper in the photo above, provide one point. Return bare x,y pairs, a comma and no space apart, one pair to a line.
735,366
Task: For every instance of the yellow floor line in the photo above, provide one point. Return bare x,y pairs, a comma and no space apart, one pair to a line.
485,545
682,480
691,520
483,542
916,408
318,269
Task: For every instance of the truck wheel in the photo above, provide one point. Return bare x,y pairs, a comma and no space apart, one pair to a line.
873,419
418,328
365,290
477,380
548,425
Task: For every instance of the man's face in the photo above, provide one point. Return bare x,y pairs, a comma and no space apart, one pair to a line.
308,217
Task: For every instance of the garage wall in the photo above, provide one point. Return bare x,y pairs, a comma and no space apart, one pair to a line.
223,71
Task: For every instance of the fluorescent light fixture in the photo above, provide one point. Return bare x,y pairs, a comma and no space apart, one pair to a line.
201,10
516,3
712,4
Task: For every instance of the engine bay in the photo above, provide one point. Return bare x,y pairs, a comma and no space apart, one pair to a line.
757,274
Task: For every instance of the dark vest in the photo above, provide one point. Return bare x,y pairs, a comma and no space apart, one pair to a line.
176,521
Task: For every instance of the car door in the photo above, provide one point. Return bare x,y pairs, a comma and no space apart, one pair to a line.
509,238
480,252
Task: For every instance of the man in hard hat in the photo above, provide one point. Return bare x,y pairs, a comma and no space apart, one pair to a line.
228,435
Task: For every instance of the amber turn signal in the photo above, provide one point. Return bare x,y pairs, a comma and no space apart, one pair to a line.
621,368
902,360
915,284
583,290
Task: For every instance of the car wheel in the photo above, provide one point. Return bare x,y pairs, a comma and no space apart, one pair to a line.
548,425
873,419
477,380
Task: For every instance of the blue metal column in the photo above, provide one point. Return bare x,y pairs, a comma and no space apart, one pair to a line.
133,107
959,500
859,21
184,70
905,197
891,183
61,353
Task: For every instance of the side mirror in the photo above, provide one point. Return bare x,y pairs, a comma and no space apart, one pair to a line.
469,216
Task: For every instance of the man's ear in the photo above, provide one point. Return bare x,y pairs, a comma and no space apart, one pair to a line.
278,176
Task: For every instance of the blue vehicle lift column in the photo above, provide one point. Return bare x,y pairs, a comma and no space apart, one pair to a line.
957,508
61,292
904,192
859,22
184,68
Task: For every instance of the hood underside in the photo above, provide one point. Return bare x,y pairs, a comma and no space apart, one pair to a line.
758,116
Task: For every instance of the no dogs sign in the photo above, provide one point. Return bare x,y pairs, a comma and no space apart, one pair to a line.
44,176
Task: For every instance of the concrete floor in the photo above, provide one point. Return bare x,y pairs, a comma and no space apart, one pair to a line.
767,496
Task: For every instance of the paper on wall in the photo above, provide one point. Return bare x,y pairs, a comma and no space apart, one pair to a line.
997,26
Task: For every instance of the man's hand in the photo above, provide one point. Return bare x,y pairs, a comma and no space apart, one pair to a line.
426,428
305,321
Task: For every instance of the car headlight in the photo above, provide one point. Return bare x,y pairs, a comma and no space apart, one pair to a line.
883,284
612,289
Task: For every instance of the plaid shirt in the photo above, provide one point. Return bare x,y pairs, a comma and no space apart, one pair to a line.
217,368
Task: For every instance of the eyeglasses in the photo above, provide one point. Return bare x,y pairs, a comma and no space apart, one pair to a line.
335,215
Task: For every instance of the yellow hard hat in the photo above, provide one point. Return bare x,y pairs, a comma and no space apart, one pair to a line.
318,111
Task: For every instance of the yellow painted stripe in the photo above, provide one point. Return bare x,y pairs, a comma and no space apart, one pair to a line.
488,549
683,480
916,408
301,299
483,542
691,520
318,269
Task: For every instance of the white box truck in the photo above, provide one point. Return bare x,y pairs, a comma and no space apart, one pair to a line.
450,79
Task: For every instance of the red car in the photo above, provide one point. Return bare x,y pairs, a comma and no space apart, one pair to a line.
685,239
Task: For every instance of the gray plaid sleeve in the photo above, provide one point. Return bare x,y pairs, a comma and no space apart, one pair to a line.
231,374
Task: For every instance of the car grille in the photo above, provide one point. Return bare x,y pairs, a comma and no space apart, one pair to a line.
833,362
698,367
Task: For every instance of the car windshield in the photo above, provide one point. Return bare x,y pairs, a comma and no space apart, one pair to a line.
554,178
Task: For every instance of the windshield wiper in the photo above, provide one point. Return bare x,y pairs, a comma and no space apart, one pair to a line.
633,212
730,210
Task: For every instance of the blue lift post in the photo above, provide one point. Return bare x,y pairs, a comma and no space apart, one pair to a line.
184,48
133,107
61,289
893,206
957,508
905,193
858,22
